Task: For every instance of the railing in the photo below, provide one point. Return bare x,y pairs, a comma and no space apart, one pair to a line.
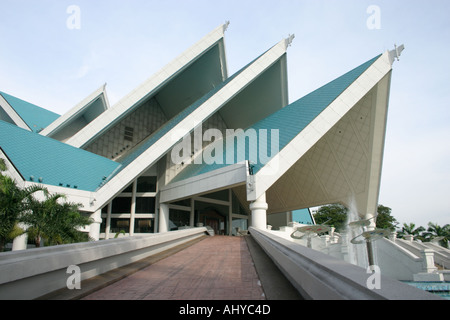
30,274
319,276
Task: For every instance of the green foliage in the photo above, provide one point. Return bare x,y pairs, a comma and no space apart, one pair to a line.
436,231
12,206
54,220
384,218
410,229
119,233
333,215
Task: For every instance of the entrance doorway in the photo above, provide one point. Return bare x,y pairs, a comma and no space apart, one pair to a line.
214,224
213,218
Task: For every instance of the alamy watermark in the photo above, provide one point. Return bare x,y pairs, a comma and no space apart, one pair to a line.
238,145
74,280
73,22
374,20
374,280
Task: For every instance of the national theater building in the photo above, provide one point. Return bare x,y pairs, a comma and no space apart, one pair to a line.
196,146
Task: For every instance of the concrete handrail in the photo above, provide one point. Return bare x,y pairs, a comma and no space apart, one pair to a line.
416,247
32,273
319,276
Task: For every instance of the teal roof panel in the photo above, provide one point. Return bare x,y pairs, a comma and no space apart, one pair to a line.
177,119
289,121
35,117
302,216
44,160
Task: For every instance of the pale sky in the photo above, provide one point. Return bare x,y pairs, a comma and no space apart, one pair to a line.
122,43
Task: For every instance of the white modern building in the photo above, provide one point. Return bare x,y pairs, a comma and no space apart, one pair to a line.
194,145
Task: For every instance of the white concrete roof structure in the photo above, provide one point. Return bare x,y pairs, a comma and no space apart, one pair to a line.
331,141
336,157
215,71
79,116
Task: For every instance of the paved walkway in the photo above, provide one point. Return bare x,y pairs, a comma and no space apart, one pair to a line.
216,268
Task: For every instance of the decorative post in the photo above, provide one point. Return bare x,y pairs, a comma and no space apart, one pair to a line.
259,212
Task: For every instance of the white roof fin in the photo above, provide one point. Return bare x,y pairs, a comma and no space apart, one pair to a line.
396,53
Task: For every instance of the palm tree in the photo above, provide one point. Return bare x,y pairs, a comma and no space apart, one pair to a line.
410,229
55,222
435,231
12,206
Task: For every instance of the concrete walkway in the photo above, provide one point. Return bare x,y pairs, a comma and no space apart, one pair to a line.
216,268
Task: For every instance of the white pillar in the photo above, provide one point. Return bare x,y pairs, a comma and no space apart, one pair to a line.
133,208
230,214
20,242
163,217
428,261
108,221
192,216
94,228
259,212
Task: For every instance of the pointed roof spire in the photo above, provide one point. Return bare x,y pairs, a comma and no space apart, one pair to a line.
225,26
396,53
289,40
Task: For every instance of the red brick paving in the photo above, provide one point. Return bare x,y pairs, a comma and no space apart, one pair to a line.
216,268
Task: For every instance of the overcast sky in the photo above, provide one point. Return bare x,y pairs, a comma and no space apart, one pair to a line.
53,59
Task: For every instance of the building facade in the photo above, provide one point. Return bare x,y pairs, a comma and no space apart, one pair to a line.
195,146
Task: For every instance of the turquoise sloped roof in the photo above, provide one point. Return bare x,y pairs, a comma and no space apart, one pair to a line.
177,119
290,121
302,216
35,117
42,159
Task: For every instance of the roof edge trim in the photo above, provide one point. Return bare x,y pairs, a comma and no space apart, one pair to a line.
76,110
148,87
13,114
274,169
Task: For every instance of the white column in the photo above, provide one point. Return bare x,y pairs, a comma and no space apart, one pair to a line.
259,212
20,242
163,217
428,261
230,214
192,216
133,207
108,221
94,228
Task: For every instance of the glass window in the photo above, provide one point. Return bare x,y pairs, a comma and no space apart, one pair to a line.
146,184
144,225
239,225
121,205
129,188
178,218
218,195
237,206
145,205
120,225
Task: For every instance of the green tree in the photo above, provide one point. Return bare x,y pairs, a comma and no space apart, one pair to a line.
55,221
333,215
436,231
12,206
410,229
384,219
